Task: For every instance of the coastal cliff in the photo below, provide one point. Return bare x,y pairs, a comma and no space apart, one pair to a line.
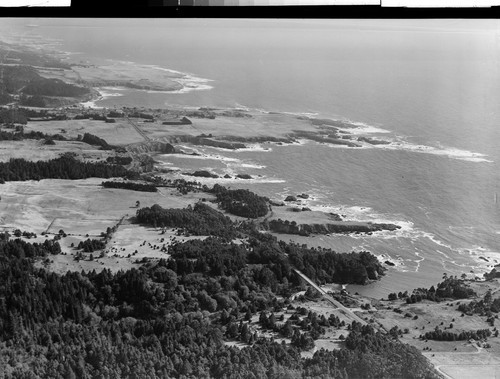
152,146
203,140
286,227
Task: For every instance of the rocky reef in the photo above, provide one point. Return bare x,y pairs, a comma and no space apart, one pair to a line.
328,138
373,141
244,176
202,174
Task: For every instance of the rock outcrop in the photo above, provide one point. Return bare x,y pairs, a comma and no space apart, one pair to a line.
202,174
373,141
276,203
286,227
243,176
151,146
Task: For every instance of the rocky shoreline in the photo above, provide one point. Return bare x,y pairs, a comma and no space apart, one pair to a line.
348,227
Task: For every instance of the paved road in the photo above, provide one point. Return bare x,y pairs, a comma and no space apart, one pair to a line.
136,127
347,312
50,225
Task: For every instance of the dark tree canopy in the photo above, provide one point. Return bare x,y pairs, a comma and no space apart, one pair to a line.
158,322
65,167
96,141
53,87
241,202
130,186
200,220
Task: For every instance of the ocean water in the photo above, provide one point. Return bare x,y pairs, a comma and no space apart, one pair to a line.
432,87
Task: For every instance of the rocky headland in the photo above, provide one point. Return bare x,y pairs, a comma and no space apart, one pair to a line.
346,227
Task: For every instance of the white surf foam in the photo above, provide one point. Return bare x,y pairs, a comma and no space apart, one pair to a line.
400,143
90,104
479,254
104,93
241,107
300,114
251,147
361,128
397,262
202,157
251,165
450,152
192,83
233,179
188,81
418,261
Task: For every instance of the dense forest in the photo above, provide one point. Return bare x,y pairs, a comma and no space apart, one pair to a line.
119,160
53,87
492,274
91,245
11,116
321,265
17,77
241,202
154,322
5,98
327,266
35,58
25,80
198,220
130,186
96,141
32,101
484,307
446,335
450,288
64,167
19,136
141,115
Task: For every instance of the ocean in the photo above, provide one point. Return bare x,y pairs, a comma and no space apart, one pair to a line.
431,87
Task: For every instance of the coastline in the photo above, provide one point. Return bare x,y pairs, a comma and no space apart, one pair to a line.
335,186
317,125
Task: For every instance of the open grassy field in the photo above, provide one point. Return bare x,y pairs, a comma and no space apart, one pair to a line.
259,125
482,363
34,150
455,359
116,73
83,209
122,132
33,205
119,133
130,246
